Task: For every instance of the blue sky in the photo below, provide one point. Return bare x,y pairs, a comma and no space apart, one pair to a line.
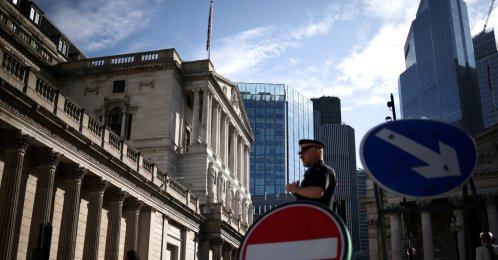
352,49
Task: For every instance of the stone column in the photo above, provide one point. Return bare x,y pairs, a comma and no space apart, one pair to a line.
492,213
206,114
241,161
146,227
16,146
183,246
164,235
115,198
227,252
215,137
396,237
373,238
195,117
458,213
234,153
217,245
226,131
428,240
247,180
131,208
95,188
122,133
73,174
47,161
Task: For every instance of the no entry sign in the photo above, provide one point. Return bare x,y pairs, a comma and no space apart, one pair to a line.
297,230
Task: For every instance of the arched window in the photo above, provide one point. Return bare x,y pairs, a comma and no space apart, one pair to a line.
115,119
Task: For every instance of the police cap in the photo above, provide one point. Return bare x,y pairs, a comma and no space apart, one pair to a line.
308,143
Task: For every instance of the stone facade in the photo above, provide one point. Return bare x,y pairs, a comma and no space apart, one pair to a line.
428,225
140,151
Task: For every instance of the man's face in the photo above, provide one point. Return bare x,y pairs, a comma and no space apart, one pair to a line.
309,155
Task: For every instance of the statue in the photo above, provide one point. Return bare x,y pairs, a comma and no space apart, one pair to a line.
211,180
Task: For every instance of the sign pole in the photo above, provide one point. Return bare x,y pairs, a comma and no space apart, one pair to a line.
482,220
381,230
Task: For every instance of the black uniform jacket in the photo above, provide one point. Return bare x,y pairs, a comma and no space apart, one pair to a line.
323,176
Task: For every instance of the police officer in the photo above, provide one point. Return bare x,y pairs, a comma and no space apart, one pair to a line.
319,180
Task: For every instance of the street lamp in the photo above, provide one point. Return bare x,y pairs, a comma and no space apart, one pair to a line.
455,227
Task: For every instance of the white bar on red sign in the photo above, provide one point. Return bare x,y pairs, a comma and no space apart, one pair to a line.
299,250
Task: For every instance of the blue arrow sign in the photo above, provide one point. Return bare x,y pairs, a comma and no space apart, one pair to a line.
418,158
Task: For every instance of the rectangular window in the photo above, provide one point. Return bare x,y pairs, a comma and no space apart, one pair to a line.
118,86
172,252
63,47
34,15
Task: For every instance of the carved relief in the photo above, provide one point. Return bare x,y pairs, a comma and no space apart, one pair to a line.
149,84
250,213
229,196
221,188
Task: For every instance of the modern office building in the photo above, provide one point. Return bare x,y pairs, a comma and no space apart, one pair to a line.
98,156
486,55
440,79
339,152
279,117
361,176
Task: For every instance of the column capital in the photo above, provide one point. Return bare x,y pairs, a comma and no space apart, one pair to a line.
95,184
46,157
114,194
73,171
16,141
132,204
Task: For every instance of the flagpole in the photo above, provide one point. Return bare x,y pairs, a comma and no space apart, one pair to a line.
210,27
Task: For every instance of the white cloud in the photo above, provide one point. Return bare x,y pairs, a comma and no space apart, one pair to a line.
378,64
248,50
95,25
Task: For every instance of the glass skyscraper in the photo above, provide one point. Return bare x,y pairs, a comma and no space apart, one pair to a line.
486,55
440,80
279,117
339,153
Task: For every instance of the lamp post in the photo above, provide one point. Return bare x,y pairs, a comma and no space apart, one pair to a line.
455,227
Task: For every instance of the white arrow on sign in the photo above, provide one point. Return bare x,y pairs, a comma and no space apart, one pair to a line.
443,164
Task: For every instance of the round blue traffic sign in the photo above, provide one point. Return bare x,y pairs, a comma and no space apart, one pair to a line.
418,158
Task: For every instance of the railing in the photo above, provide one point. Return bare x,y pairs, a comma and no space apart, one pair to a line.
148,166
46,91
132,154
13,67
115,141
95,127
132,59
72,110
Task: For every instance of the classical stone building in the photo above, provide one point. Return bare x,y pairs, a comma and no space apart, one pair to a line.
444,227
98,156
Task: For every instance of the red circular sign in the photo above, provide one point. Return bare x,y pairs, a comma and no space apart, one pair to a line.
298,230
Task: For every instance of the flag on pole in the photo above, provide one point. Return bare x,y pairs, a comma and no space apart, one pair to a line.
208,43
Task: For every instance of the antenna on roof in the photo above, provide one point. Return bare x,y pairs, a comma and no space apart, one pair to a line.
489,14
